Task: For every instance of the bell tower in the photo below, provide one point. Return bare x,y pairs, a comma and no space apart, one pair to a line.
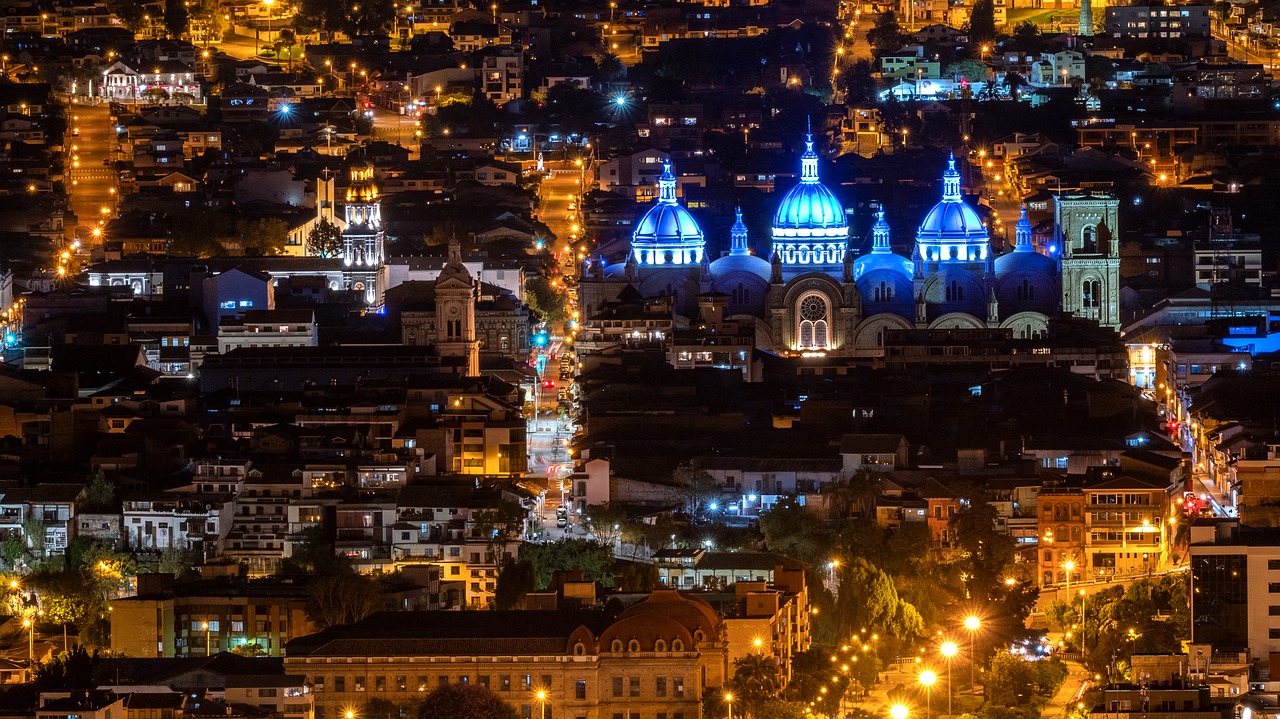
1085,231
363,236
456,293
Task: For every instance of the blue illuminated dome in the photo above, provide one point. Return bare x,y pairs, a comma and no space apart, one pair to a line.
1024,259
952,231
667,234
882,256
810,227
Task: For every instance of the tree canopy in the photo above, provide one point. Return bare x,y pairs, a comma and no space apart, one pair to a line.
472,701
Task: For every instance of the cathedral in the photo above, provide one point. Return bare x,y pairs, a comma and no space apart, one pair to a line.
816,295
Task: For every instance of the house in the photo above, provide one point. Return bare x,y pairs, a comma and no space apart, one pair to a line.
268,328
874,452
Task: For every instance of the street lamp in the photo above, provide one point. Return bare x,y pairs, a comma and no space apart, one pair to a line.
949,650
728,699
1069,567
542,699
927,679
31,639
899,711
208,645
972,623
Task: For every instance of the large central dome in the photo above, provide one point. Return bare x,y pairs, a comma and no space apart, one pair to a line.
952,230
667,234
810,227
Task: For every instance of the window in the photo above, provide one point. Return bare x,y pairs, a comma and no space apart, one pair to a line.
1273,587
1273,633
504,683
813,326
617,686
1273,564
1091,294
339,684
677,687
661,689
633,686
579,690
1273,610
954,293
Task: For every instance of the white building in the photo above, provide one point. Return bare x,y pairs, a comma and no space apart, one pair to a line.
159,521
268,328
500,273
129,82
1235,588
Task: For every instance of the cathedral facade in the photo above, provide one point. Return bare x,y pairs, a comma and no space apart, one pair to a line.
815,295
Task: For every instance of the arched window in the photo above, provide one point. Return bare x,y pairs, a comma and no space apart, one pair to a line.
677,645
579,649
616,646
813,316
884,292
955,293
1075,534
633,646
1091,294
1026,291
1089,239
660,645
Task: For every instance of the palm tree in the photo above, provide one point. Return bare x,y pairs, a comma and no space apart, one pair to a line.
867,491
1013,81
757,679
840,499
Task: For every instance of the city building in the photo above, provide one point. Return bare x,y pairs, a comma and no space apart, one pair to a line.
816,297
1235,577
1157,21
657,656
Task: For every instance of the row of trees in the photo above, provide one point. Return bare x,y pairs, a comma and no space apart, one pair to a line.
205,232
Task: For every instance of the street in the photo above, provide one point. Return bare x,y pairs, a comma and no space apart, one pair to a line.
92,186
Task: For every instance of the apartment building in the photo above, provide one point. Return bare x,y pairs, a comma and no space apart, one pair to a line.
1235,587
656,658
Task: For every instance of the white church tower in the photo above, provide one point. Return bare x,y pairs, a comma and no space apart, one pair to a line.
363,236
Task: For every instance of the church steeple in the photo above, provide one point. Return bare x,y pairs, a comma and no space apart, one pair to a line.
738,236
667,184
880,232
1022,233
809,160
951,181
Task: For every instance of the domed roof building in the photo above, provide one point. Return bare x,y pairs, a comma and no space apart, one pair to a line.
810,227
667,234
952,231
1027,280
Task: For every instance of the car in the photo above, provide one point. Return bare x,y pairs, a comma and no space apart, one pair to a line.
106,162
561,512
562,522
549,383
75,132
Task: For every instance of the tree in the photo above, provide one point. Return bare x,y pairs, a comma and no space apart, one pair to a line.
343,599
593,558
515,580
700,491
33,532
545,299
1014,82
131,15
368,18
986,551
197,232
155,95
757,680
285,40
605,521
501,526
1014,682
971,70
379,708
858,83
638,577
71,672
176,18
982,22
325,239
265,236
886,35
314,553
472,701
839,497
101,492
792,530
869,600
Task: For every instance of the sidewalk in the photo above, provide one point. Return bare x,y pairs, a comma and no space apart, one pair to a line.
1069,693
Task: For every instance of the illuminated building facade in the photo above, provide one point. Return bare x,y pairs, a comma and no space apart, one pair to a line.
817,296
